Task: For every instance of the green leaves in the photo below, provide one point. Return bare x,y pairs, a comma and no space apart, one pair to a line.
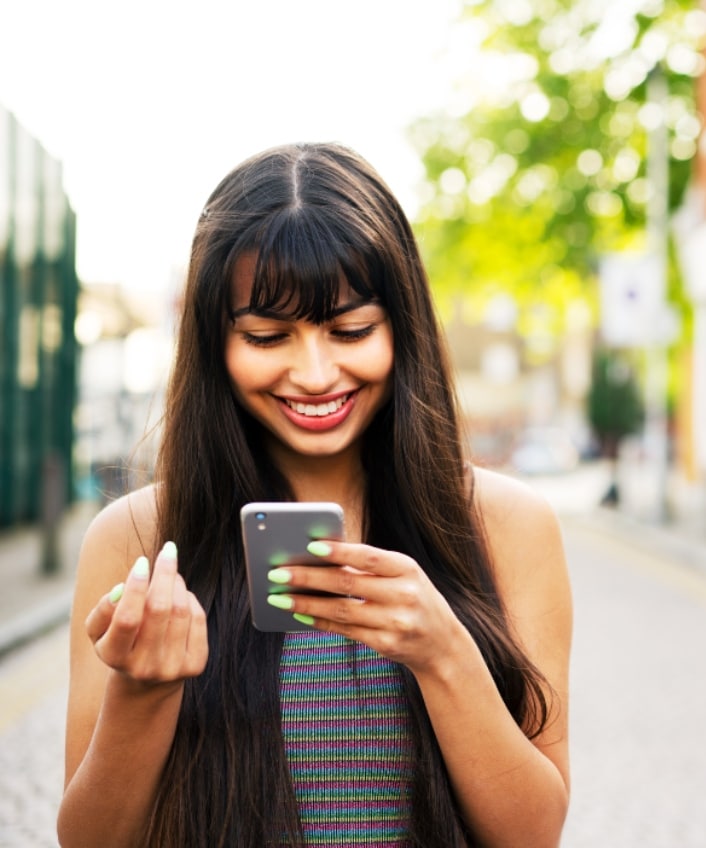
547,169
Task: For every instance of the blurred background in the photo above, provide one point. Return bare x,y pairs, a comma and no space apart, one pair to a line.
552,158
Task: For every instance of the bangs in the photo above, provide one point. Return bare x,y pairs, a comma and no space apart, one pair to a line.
303,260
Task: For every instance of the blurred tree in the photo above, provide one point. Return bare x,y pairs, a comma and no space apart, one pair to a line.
615,408
539,165
615,405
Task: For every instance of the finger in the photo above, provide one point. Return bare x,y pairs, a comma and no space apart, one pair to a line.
197,639
159,600
367,573
362,557
355,611
341,611
332,580
389,630
117,641
173,647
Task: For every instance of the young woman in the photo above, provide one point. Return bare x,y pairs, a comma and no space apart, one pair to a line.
429,706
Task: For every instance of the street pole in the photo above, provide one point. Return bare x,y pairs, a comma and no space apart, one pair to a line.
656,430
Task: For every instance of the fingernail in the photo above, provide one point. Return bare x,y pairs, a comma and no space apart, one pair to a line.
280,601
279,558
279,575
141,568
170,550
319,548
116,593
304,619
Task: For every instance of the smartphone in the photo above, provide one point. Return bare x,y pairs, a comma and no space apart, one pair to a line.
276,534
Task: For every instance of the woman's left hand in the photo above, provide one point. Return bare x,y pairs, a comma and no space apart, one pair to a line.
383,598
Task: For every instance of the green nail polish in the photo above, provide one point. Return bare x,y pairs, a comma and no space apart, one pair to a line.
279,558
304,619
116,593
319,548
170,550
283,602
141,568
279,575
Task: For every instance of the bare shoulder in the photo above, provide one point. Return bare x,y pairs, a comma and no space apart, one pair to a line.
514,515
526,546
128,524
122,531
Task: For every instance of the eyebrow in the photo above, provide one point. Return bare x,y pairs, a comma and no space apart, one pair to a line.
279,316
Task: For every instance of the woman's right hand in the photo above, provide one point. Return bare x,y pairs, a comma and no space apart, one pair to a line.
151,630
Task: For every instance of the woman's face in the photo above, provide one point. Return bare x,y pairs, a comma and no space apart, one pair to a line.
314,387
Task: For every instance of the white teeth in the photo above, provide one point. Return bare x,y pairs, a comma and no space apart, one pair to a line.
317,409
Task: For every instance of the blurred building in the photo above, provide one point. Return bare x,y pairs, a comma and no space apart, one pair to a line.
509,383
38,351
126,350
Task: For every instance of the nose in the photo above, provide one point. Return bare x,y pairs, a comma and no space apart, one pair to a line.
314,369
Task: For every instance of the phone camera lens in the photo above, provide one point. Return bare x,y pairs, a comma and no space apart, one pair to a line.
260,516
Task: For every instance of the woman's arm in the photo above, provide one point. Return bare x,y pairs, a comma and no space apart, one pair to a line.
512,791
129,658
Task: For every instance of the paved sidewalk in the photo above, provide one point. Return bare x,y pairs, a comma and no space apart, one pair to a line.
680,541
577,498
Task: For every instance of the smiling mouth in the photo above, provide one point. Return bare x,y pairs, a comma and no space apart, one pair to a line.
317,410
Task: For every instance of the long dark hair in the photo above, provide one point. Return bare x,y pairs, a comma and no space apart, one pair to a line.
310,213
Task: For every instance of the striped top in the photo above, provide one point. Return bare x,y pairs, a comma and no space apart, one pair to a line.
346,734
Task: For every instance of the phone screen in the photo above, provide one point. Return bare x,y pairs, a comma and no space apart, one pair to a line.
276,534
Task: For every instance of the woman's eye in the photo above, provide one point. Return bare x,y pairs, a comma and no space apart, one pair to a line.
264,340
353,335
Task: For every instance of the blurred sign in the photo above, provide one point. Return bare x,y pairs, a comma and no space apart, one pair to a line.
633,310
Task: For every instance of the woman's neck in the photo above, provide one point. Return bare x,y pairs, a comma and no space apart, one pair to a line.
339,478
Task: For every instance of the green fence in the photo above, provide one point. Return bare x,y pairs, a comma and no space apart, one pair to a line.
38,349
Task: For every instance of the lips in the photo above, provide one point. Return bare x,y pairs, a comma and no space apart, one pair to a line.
323,415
